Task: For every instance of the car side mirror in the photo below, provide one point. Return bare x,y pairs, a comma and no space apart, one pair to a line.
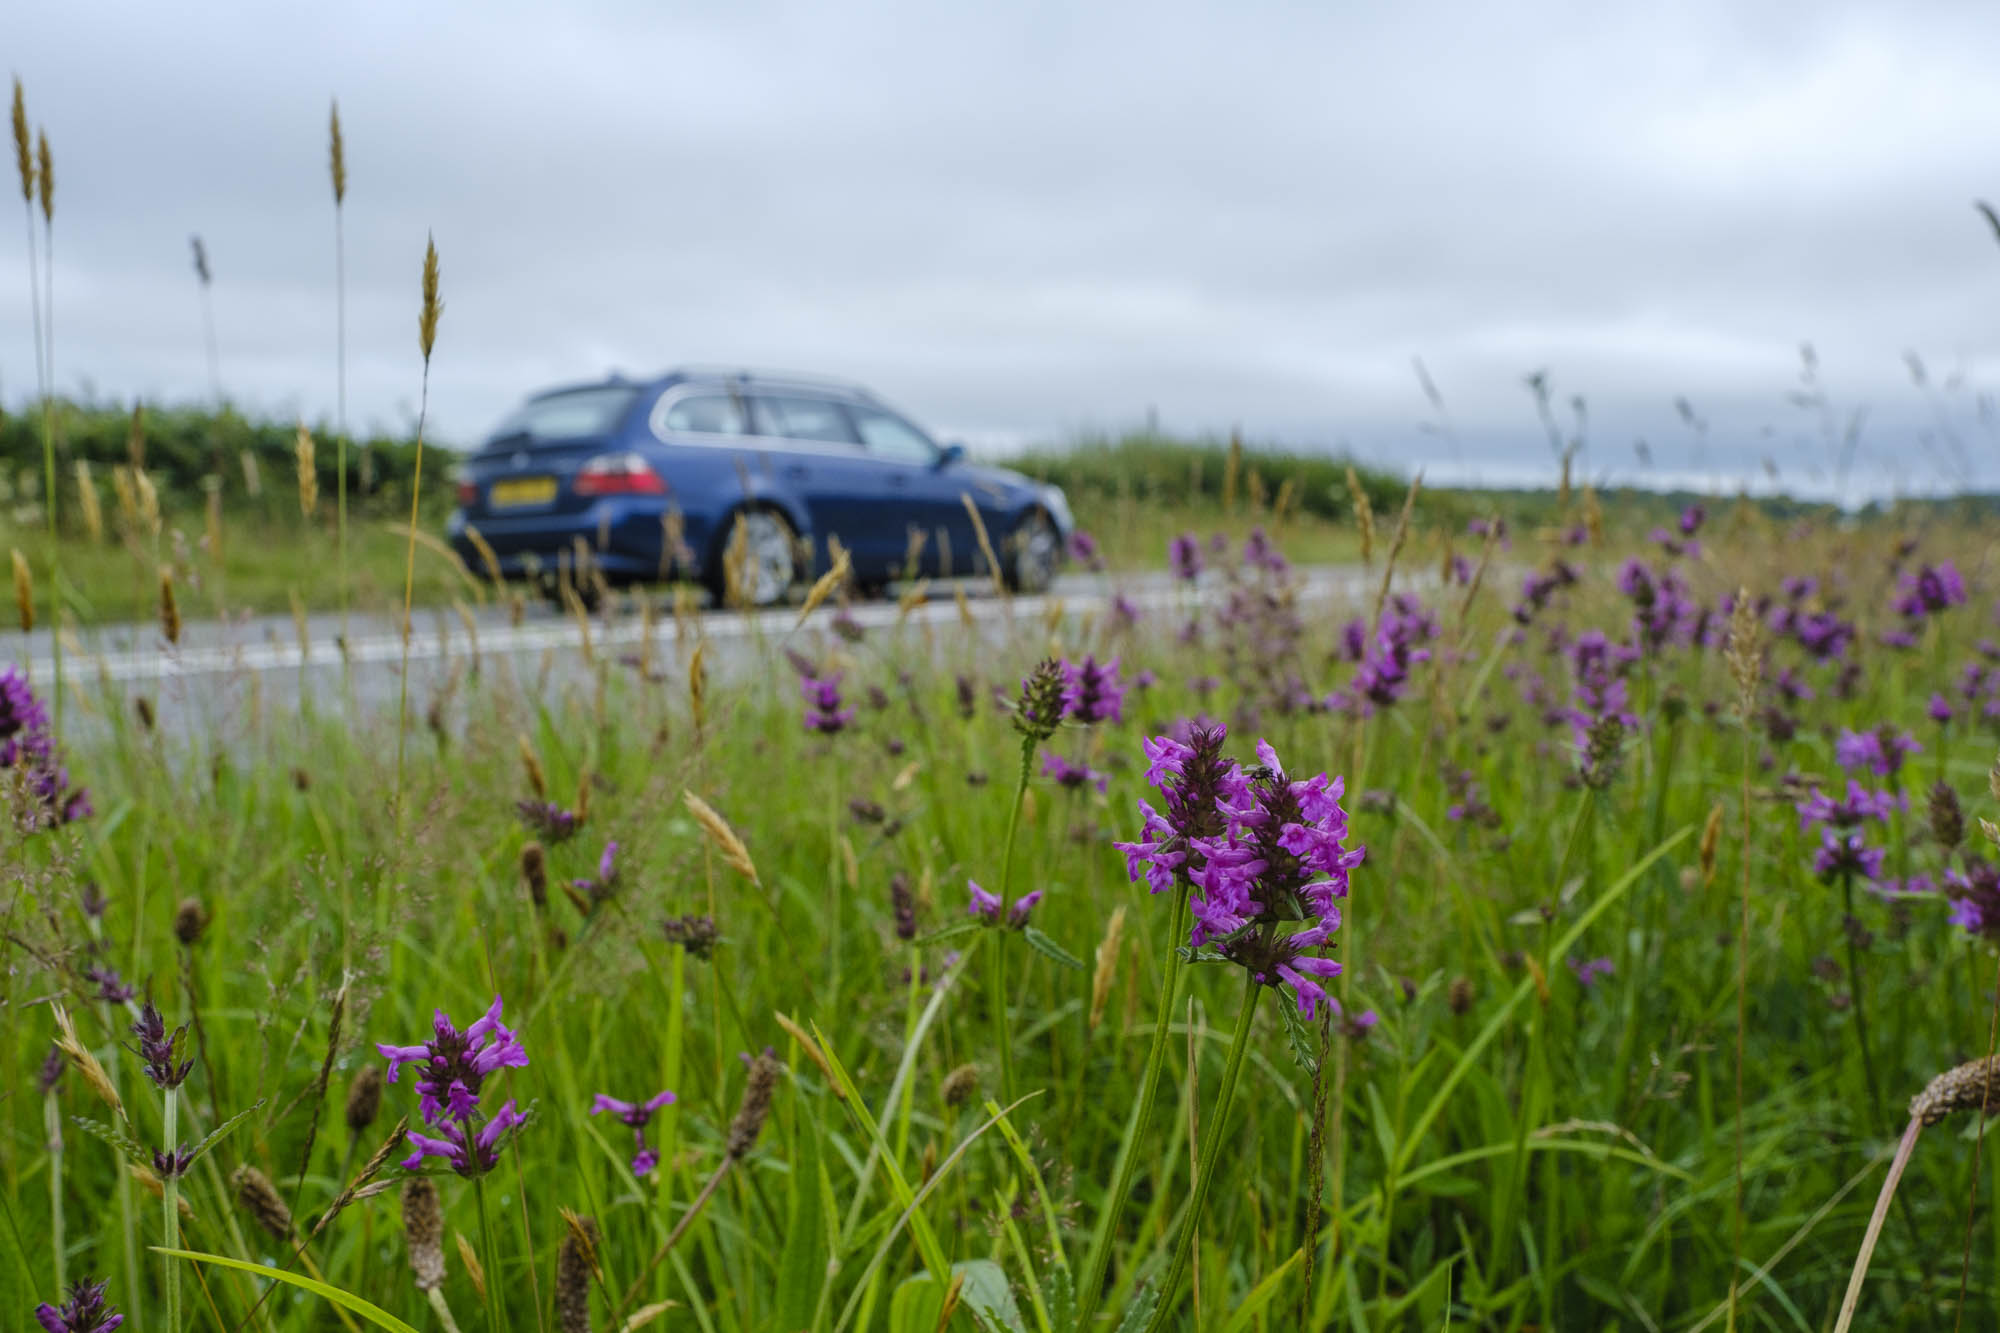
951,453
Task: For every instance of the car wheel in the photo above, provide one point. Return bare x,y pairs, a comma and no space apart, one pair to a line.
1036,548
772,565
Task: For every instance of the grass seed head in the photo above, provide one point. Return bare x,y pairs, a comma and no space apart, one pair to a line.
423,1232
24,592
337,156
427,317
1745,653
84,1062
1968,1087
576,1260
24,153
364,1098
722,837
86,494
1947,817
170,610
960,1086
1364,514
302,451
142,706
1460,996
135,437
258,1197
190,920
756,1104
535,871
1711,838
1107,965
45,177
531,768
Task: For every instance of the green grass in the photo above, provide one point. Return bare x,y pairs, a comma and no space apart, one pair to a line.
1505,1149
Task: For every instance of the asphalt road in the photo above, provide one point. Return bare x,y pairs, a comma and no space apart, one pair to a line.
222,666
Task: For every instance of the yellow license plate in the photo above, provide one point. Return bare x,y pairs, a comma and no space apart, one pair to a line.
523,491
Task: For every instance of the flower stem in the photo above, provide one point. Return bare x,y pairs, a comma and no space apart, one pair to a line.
171,1194
1860,1008
996,981
493,1320
1091,1288
1211,1153
52,1123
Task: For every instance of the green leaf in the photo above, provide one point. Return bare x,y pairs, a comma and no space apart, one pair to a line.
916,1305
986,1292
1042,944
948,934
1140,1312
374,1314
802,1269
215,1135
114,1136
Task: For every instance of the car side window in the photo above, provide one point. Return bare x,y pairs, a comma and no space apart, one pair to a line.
706,414
805,419
891,437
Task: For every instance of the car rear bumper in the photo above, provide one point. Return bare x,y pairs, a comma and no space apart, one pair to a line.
624,536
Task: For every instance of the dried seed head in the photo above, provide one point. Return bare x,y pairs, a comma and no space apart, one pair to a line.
1745,654
85,1063
337,157
470,1258
960,1085
532,768
1232,465
1969,1087
1107,965
535,870
190,920
427,318
86,494
487,556
1711,838
170,611
135,438
1461,996
697,681
823,587
143,706
24,592
423,1232
302,450
24,156
364,1098
756,1103
45,177
1947,817
149,503
259,1198
1593,515
1601,751
696,935
1993,779
576,1259
721,837
1364,514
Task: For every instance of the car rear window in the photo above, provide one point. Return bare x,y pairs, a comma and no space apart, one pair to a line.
568,416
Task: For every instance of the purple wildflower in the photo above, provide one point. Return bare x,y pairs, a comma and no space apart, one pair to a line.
1975,897
456,1064
1083,550
1848,812
111,987
549,821
1691,520
988,906
26,744
1092,691
158,1050
1184,557
823,711
84,1311
1940,709
637,1115
1589,972
596,890
1823,635
1843,854
1124,611
1071,775
1933,588
1880,751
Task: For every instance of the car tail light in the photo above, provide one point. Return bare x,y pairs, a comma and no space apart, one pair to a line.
468,492
619,474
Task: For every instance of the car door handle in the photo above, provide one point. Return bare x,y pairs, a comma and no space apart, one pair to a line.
795,472
899,480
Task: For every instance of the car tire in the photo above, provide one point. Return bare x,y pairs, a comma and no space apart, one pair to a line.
773,558
1033,550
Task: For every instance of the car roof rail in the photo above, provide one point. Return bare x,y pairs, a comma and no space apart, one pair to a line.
747,375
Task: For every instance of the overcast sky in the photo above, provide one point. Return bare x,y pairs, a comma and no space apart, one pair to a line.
1019,221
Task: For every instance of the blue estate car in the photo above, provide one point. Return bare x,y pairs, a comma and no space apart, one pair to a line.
798,461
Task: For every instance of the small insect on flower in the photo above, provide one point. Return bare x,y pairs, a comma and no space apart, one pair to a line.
84,1312
637,1115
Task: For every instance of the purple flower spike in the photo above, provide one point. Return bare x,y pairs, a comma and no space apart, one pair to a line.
1184,557
453,1067
1070,775
1589,973
1940,709
823,711
637,1115
1092,691
986,906
1880,751
992,911
1975,897
1933,588
84,1311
